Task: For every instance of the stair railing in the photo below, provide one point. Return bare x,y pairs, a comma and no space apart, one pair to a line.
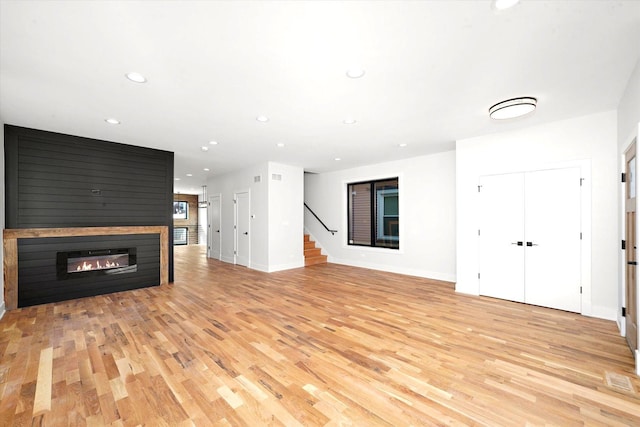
319,220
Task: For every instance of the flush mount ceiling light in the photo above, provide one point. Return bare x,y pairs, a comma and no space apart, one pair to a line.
337,159
206,169
512,108
355,72
504,4
204,148
112,121
189,174
176,179
213,142
136,77
280,144
262,119
402,144
349,121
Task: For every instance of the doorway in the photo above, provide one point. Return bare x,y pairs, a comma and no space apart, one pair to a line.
631,284
215,227
530,237
242,228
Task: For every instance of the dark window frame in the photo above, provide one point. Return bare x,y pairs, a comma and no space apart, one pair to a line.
375,224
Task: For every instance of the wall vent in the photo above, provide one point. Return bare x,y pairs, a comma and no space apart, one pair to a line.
276,177
257,178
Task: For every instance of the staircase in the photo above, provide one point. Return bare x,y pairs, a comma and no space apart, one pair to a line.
312,255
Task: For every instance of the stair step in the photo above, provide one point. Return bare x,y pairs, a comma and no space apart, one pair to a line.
319,259
312,252
312,255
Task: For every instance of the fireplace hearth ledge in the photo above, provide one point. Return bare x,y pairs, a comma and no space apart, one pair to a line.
10,245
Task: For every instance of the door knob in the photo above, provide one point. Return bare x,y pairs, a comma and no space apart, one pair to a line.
519,243
531,244
246,233
217,231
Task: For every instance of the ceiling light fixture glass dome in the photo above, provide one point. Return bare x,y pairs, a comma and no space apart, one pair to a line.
504,4
355,72
136,77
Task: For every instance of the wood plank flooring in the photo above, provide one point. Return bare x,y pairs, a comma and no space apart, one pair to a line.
323,345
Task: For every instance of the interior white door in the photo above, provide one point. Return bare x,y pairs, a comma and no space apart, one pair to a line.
552,227
502,236
215,227
530,239
243,241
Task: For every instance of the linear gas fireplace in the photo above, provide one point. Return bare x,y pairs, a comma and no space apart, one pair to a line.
74,264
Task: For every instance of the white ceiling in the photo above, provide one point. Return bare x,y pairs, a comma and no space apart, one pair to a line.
433,68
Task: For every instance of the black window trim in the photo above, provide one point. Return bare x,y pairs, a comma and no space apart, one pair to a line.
373,239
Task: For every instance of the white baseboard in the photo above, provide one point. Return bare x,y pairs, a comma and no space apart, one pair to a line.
399,270
600,312
288,266
229,260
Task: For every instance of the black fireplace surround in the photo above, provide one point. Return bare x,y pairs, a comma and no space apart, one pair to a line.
62,181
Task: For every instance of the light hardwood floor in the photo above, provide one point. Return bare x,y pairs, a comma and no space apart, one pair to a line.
322,345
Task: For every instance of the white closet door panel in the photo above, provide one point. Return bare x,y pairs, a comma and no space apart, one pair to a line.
501,228
552,226
215,228
243,225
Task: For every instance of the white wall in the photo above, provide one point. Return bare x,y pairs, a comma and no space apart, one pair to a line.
589,139
2,305
427,216
629,109
628,129
240,181
276,215
286,248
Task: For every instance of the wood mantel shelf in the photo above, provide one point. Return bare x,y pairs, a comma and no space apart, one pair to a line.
10,245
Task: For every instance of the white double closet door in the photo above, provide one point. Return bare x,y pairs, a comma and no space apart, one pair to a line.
530,237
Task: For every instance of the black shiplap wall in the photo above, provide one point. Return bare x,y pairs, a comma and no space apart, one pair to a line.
54,180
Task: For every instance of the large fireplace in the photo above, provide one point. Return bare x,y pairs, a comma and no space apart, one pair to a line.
89,198
49,265
95,262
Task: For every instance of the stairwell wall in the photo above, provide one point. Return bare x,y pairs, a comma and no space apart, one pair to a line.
427,216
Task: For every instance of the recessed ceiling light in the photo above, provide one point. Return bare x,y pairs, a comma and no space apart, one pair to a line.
402,145
206,169
349,121
112,121
213,142
280,144
176,179
512,108
189,174
136,77
337,159
204,148
262,119
355,72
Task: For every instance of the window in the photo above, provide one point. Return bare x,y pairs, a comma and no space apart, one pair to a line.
373,213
